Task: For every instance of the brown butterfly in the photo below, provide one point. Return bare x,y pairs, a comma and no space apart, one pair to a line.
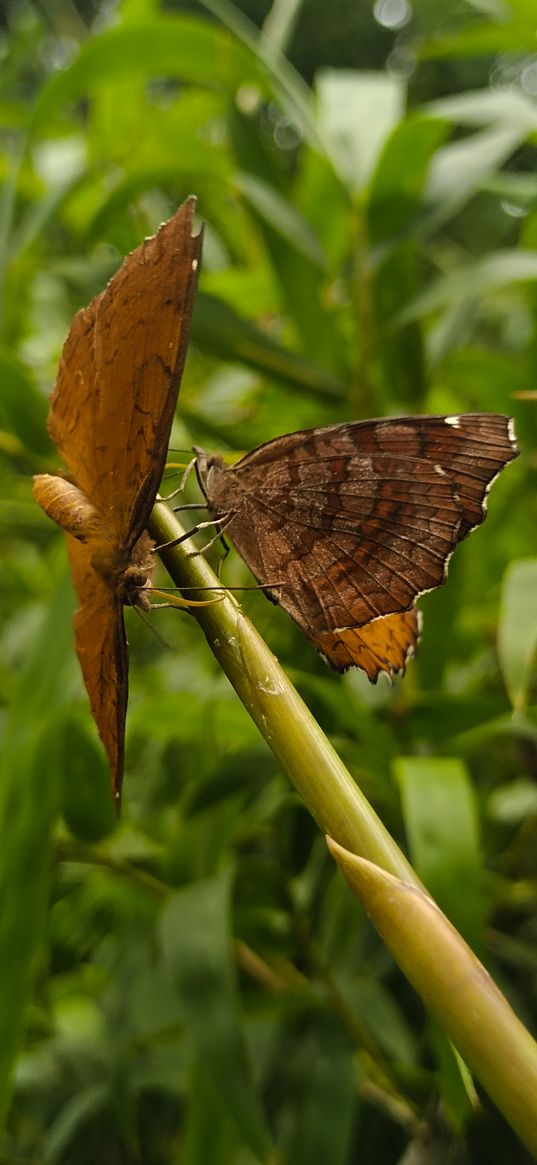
111,414
358,520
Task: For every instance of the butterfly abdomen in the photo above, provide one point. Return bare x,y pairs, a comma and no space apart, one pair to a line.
126,571
65,503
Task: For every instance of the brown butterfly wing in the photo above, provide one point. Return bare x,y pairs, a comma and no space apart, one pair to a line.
115,395
359,519
98,624
111,414
101,647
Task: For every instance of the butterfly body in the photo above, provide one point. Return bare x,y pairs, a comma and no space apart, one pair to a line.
356,520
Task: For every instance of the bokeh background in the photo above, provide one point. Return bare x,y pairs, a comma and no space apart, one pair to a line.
196,984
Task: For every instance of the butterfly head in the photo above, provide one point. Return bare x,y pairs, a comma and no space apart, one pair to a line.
217,482
127,572
137,575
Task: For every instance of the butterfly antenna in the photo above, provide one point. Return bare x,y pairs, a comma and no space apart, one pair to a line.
179,601
204,587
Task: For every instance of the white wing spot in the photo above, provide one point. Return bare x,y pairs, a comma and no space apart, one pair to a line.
442,472
194,264
455,421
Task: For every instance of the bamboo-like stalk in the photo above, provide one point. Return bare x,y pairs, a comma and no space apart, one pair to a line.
335,801
437,961
456,988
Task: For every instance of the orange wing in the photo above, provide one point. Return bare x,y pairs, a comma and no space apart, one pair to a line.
101,646
115,395
111,414
384,644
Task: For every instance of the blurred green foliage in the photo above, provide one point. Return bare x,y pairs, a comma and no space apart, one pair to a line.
198,982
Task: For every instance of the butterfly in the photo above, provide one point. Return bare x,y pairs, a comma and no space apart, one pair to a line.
110,417
357,520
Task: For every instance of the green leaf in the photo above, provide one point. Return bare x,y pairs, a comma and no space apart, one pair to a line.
320,1117
217,329
513,803
401,350
517,631
196,939
39,214
506,119
518,189
399,179
281,216
210,1135
383,1016
301,278
170,46
23,409
471,280
87,796
459,1093
29,797
394,200
514,35
498,106
463,167
79,1111
285,82
440,814
357,112
473,376
455,987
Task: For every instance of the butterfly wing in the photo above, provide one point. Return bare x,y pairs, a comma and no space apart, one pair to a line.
384,644
359,519
116,390
111,414
101,647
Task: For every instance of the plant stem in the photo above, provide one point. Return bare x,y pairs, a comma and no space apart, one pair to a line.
329,791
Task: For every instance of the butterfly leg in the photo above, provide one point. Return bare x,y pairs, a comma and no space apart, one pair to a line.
188,506
226,548
218,537
182,483
189,533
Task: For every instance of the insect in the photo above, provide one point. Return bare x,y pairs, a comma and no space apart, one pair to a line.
110,416
358,519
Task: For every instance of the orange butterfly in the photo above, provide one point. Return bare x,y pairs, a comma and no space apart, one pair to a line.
111,414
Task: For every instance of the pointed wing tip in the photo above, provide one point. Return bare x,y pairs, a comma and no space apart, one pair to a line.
179,230
511,433
187,208
186,212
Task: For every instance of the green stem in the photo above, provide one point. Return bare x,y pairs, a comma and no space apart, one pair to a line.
456,989
330,793
342,811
